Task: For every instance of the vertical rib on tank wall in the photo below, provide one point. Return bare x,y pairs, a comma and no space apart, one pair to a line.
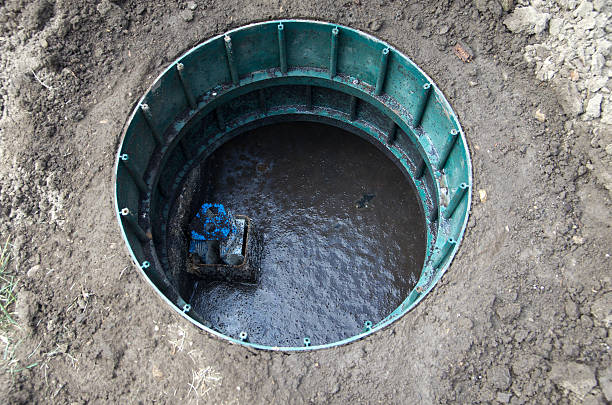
432,203
128,196
192,135
157,202
373,115
161,281
134,242
455,170
174,163
210,129
139,144
455,165
437,121
174,102
411,151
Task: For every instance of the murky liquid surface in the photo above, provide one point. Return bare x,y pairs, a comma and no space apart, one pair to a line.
344,236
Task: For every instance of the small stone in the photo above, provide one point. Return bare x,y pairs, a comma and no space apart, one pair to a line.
574,75
568,4
594,399
587,23
443,29
520,335
26,308
586,322
482,194
33,270
375,25
597,63
506,4
525,363
569,98
192,5
555,26
187,15
583,9
602,309
528,20
601,332
595,84
114,15
540,116
81,302
509,312
104,7
571,309
503,397
606,112
604,46
578,240
481,5
465,323
575,377
605,382
156,372
593,109
609,149
499,377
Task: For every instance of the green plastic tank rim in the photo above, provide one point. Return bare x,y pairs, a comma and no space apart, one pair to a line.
426,282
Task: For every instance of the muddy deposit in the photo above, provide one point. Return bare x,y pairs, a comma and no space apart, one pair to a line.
343,232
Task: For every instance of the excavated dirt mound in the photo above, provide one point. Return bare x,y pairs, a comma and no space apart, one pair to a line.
522,316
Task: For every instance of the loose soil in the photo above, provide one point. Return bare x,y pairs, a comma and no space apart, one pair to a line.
522,316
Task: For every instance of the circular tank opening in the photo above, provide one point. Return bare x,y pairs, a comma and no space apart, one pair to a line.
343,166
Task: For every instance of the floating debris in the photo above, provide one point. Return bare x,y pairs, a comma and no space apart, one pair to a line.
364,201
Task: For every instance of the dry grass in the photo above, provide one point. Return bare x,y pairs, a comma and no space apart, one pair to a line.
203,381
8,325
7,288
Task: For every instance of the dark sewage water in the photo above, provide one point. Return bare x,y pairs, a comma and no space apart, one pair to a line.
343,230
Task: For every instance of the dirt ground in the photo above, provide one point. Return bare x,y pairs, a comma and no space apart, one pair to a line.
522,316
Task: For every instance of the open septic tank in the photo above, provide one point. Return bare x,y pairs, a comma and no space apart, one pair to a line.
345,158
